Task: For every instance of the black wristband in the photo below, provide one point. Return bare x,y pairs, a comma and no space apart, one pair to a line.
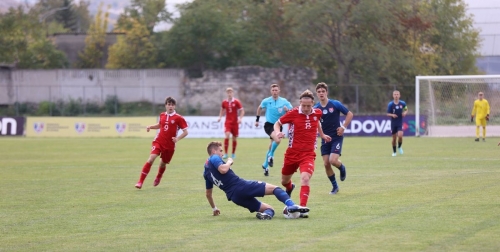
257,118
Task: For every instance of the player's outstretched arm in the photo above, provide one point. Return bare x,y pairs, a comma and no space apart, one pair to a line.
154,126
208,194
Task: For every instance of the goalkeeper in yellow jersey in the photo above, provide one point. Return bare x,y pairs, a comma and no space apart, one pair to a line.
481,110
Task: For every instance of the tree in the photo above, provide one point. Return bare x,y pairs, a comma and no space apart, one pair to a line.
269,25
206,36
134,50
67,16
83,18
23,41
150,12
77,16
93,53
455,38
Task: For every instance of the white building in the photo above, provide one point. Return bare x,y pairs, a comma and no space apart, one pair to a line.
486,15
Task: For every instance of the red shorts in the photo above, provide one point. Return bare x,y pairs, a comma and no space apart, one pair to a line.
232,128
165,154
293,161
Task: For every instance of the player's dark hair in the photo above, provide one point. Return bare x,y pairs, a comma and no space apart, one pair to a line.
307,94
212,145
170,100
321,85
275,85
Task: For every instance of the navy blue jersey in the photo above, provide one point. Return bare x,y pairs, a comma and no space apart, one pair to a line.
397,109
228,182
330,118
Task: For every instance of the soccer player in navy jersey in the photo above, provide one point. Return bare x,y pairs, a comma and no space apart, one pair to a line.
275,107
397,109
240,191
304,122
333,127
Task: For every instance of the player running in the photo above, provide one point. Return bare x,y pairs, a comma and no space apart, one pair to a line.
331,125
164,142
397,109
275,107
304,122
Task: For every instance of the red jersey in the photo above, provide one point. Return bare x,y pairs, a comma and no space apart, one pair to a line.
231,108
169,126
303,129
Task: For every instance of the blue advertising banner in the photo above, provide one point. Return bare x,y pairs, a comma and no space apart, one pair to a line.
381,126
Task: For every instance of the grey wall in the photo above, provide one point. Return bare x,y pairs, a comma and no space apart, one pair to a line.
251,85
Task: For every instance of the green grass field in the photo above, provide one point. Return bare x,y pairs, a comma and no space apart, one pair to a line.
443,194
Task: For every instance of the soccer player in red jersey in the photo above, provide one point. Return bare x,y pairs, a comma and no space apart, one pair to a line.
304,125
164,142
231,127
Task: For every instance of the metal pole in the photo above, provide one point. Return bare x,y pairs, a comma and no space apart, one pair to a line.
17,101
417,106
83,101
116,101
357,99
50,100
153,101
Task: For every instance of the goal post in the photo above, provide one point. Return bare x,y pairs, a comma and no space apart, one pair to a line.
443,104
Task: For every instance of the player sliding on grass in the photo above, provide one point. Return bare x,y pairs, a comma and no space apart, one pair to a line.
304,122
164,142
331,125
240,191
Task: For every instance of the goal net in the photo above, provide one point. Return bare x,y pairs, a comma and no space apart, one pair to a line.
443,104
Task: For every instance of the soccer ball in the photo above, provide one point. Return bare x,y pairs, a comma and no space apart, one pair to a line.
288,215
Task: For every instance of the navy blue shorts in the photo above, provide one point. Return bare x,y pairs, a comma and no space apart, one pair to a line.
246,194
334,146
395,129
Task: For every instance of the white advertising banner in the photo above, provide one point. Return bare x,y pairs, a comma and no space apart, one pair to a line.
208,127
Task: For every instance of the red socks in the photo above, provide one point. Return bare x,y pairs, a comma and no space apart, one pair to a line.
234,146
288,186
304,195
160,172
226,145
145,170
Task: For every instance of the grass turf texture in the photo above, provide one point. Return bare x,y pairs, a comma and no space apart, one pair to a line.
78,195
